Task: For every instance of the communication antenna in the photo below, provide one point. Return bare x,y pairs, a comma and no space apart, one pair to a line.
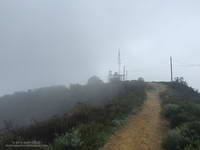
119,62
126,74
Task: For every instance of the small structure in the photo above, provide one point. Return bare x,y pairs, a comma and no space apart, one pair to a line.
114,77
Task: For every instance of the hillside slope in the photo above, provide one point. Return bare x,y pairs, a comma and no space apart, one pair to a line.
143,131
181,108
21,108
102,110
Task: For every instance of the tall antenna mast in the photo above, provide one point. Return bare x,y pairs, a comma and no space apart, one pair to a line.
171,69
126,74
119,62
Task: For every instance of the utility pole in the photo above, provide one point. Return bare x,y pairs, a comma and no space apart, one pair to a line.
171,68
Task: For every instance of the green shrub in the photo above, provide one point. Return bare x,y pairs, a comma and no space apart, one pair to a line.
188,132
171,110
185,137
175,114
94,135
119,123
194,146
178,114
70,140
192,130
175,140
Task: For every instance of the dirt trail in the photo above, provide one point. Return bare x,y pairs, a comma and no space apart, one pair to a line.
144,130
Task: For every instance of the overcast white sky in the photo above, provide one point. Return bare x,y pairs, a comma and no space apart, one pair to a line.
51,42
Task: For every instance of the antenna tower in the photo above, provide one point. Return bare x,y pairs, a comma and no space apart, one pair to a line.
119,62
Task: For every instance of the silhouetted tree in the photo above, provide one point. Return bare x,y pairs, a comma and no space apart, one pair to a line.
94,80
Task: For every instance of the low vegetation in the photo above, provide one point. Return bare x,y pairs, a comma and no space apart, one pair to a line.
86,126
181,107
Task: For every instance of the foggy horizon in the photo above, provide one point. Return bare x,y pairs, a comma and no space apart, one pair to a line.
46,43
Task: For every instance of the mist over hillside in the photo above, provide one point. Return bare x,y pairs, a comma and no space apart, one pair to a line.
88,114
22,108
42,103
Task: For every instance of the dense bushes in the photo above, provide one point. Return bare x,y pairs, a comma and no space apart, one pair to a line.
181,107
179,114
183,137
87,126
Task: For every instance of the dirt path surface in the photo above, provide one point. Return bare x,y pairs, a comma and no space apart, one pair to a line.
144,130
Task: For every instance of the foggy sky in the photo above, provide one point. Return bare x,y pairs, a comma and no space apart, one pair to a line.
48,42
